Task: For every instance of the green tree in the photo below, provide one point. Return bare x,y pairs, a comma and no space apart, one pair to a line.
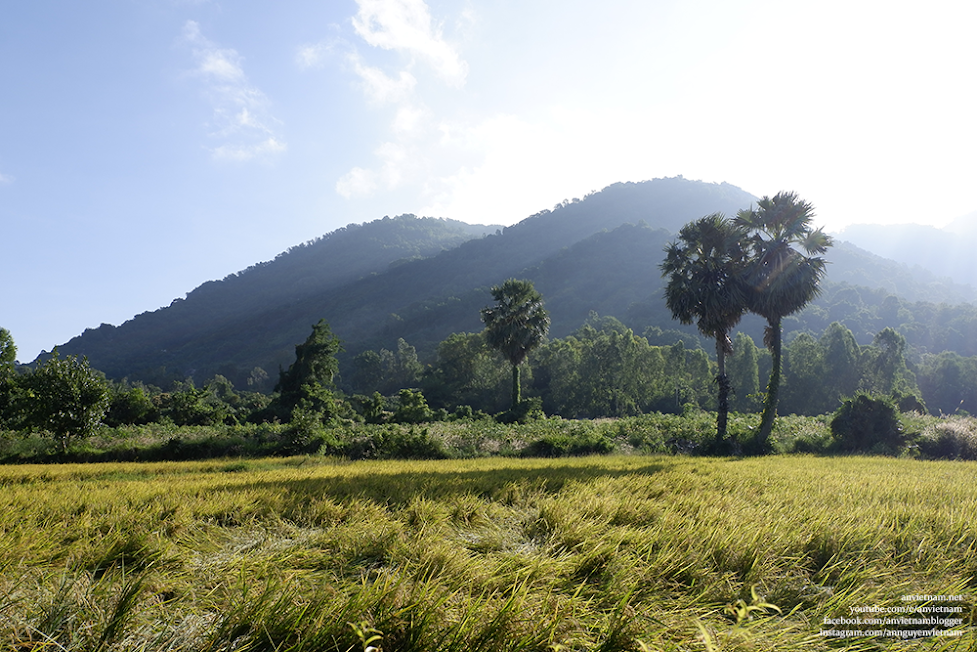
515,325
8,353
129,405
8,361
885,365
840,353
308,382
63,396
805,386
744,374
556,376
781,279
705,271
385,371
467,372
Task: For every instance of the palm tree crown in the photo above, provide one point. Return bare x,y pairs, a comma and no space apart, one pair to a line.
782,279
705,271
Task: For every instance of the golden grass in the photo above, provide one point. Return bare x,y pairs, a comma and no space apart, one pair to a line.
611,553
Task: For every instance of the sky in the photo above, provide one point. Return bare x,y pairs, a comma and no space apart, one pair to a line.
148,146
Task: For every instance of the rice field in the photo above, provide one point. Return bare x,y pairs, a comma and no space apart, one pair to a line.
598,553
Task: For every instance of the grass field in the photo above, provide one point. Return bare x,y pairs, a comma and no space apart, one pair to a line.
609,553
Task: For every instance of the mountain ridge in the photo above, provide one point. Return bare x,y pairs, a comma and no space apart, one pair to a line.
422,278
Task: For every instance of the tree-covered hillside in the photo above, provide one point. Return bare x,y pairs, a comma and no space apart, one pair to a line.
374,283
421,279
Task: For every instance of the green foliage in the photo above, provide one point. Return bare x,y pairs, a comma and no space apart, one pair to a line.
412,407
129,406
385,371
744,374
584,441
307,383
192,406
467,372
370,407
63,396
867,424
615,373
515,325
315,362
529,409
398,442
8,353
8,359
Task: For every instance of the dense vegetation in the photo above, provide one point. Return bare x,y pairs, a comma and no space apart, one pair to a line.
416,282
669,554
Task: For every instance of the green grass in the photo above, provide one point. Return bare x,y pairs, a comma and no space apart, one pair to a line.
609,553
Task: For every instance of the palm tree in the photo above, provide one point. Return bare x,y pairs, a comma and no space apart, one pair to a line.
705,286
515,325
782,280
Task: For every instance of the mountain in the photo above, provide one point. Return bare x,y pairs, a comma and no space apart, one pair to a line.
945,252
422,279
965,225
416,278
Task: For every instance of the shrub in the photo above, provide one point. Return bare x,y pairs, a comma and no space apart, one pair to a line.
525,411
412,408
949,439
867,424
576,442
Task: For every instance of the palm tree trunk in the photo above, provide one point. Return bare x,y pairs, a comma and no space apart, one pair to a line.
722,417
516,391
775,344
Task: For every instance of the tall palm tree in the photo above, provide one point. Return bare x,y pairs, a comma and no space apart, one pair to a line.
782,279
516,325
705,271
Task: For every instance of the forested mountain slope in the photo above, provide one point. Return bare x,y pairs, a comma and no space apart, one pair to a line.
255,318
423,279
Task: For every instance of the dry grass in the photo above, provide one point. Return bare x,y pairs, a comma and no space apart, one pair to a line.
612,553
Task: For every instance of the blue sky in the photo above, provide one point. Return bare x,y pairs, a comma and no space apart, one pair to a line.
147,146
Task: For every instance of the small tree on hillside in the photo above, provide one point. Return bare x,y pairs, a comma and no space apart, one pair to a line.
516,325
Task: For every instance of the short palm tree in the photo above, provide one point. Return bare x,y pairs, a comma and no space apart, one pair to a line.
705,270
515,325
782,280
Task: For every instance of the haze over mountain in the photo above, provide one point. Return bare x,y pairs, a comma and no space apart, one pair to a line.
422,279
946,252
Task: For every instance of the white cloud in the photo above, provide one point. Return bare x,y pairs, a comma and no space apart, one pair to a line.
406,25
410,120
244,153
313,56
380,88
5,179
241,115
357,183
397,163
